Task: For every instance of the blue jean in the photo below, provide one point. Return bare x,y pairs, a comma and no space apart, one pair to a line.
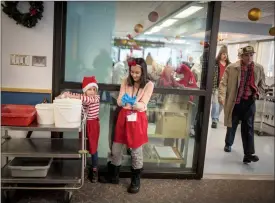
94,159
216,107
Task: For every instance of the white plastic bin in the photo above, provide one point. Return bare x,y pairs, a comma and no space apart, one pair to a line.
30,167
45,114
67,113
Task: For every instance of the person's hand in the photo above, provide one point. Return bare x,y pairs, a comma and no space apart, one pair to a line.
125,99
66,95
221,102
62,95
132,100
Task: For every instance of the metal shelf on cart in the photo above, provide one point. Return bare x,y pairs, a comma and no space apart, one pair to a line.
42,147
38,127
62,171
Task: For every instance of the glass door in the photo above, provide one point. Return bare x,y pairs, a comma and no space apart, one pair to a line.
178,42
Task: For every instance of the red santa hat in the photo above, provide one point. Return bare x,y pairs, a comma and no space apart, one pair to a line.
89,82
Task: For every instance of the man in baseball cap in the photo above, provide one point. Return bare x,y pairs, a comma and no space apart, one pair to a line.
242,83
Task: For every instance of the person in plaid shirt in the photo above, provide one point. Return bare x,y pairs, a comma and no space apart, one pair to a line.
242,83
222,61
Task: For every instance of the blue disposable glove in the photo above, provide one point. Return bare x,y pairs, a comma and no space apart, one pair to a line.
124,99
133,100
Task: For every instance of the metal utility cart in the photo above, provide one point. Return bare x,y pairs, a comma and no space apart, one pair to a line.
67,169
264,119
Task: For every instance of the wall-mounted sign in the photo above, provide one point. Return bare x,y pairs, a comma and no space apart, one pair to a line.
39,61
19,60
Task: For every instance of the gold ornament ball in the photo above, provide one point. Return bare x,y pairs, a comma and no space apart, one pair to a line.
138,28
123,41
201,42
254,14
177,37
272,31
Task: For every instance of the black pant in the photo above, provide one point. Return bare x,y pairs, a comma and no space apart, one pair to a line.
245,111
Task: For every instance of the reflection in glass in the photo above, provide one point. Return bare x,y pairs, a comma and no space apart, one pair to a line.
100,35
171,123
171,120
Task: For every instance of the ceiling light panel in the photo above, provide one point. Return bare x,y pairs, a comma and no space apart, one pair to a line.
155,29
168,22
188,12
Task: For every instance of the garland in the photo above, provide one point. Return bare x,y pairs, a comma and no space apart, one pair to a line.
29,19
127,44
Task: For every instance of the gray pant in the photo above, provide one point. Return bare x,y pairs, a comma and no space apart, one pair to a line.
137,156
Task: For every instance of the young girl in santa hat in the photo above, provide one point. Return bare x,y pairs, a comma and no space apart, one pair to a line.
90,101
131,126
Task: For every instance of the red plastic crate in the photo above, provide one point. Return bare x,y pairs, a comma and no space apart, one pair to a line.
17,115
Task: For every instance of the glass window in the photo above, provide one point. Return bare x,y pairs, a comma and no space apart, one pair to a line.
171,131
265,57
101,34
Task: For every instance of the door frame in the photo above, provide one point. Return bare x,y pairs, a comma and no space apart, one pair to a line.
212,27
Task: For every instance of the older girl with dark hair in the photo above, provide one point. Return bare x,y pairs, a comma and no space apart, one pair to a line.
131,127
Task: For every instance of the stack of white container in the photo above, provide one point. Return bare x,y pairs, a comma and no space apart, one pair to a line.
63,113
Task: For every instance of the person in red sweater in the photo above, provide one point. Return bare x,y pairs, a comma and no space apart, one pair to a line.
186,76
91,102
222,61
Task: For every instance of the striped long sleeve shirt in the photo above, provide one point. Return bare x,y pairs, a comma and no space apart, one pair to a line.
90,106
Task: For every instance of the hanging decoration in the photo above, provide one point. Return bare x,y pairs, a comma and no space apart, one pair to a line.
254,14
153,16
123,41
136,43
29,19
129,36
272,31
177,37
138,28
202,42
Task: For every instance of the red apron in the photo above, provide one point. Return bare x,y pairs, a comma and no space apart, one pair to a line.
133,134
92,133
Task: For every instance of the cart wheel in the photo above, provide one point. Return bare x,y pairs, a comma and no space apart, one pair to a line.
67,197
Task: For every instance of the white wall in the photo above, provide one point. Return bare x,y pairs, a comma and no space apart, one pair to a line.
38,40
17,39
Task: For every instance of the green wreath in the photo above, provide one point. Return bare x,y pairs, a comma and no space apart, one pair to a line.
29,19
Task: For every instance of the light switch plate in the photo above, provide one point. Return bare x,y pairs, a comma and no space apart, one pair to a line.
19,60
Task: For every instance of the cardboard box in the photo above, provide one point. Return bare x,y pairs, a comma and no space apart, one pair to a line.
172,126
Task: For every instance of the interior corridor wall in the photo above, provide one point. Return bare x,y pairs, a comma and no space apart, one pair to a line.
36,41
